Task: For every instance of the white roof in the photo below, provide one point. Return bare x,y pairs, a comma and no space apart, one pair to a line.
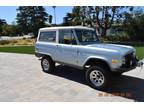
65,27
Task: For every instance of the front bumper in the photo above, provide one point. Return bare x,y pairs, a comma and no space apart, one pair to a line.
131,62
122,69
140,63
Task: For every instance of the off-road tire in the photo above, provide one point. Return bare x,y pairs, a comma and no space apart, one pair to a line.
51,64
106,75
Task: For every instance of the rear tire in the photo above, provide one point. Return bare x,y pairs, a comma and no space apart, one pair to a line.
47,64
98,77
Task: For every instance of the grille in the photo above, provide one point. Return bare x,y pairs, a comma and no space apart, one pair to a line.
130,60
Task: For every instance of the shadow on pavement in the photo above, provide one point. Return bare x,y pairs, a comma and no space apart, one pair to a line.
124,86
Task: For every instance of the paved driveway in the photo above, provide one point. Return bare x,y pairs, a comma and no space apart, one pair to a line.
21,79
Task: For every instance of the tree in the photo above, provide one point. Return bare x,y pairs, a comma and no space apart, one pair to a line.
99,17
68,20
73,18
31,18
134,25
54,7
105,16
22,19
2,22
50,19
10,30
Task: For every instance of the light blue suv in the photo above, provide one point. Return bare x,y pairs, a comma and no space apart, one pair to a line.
79,47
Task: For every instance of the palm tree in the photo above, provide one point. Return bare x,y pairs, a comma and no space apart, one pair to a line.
2,22
54,7
73,18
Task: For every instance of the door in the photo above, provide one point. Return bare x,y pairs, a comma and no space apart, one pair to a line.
67,49
47,43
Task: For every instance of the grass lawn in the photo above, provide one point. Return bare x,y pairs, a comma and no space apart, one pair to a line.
18,49
30,50
140,52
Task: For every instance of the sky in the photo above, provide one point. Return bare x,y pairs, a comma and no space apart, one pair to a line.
9,13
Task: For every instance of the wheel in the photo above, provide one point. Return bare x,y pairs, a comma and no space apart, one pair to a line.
117,73
98,78
47,64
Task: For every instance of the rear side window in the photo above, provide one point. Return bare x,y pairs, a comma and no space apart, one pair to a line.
49,36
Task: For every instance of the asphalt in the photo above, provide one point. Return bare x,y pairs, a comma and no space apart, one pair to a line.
22,80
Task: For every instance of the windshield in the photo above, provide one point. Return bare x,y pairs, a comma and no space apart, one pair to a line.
86,36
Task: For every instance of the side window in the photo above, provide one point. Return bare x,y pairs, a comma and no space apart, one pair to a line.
49,36
67,37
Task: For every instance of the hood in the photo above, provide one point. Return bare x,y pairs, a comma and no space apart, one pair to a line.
123,49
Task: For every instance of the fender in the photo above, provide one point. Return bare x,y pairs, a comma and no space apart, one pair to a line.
98,58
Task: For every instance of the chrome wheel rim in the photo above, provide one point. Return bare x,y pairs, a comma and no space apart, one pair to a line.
45,64
97,78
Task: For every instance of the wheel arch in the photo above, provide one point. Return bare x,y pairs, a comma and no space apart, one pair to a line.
98,62
41,55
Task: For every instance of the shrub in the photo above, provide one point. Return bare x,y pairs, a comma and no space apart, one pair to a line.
121,36
4,42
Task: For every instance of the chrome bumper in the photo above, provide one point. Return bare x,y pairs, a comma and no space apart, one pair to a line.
138,63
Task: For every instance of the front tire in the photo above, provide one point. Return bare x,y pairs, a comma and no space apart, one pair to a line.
47,64
98,78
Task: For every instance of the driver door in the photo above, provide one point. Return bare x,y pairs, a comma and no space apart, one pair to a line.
67,48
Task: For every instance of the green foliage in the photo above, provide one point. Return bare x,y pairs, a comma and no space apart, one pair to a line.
134,26
31,18
120,36
10,30
140,52
2,22
74,18
99,17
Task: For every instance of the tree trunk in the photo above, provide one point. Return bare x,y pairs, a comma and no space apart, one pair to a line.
98,31
104,32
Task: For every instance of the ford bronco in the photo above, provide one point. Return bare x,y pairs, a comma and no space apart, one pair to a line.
80,47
